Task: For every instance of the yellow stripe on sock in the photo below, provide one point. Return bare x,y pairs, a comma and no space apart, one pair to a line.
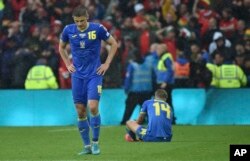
95,115
82,119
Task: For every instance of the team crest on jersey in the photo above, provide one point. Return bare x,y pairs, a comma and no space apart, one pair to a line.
82,35
82,44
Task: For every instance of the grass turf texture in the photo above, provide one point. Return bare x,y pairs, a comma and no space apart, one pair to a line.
190,143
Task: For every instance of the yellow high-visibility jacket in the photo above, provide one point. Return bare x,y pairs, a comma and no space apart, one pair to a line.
213,69
41,77
230,76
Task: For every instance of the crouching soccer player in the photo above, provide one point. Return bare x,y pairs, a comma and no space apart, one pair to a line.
160,117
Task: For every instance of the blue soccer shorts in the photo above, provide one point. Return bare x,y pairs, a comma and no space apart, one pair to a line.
86,89
141,132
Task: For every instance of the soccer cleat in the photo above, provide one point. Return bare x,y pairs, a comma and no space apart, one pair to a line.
86,150
95,148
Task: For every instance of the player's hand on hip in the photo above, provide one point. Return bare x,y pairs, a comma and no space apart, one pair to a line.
102,69
71,68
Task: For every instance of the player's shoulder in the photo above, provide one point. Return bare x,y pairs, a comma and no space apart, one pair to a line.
70,27
159,101
95,25
150,101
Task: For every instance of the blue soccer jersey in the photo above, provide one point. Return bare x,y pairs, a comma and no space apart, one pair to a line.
85,47
159,118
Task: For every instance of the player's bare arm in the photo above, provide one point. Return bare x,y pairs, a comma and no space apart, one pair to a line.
65,56
113,47
141,118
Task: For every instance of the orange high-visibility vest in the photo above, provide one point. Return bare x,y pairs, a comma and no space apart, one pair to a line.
182,70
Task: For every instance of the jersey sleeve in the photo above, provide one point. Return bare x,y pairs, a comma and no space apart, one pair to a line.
64,35
144,107
103,34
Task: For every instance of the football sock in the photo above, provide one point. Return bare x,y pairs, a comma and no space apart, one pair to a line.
95,122
83,126
131,134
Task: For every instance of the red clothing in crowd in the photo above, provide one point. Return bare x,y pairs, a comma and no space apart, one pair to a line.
144,42
231,23
171,45
17,5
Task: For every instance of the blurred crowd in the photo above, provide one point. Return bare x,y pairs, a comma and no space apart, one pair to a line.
200,35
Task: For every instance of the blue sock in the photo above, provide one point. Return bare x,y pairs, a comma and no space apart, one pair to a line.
95,122
83,126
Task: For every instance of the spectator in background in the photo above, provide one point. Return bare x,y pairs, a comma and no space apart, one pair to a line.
230,75
181,69
138,85
168,13
41,76
52,59
213,66
222,44
241,10
165,71
17,6
240,54
32,41
238,35
207,37
129,51
23,60
167,35
200,75
9,48
152,59
127,7
14,31
228,23
139,18
183,15
35,24
127,29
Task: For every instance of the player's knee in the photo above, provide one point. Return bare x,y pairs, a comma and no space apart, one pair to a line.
128,123
82,114
81,111
94,111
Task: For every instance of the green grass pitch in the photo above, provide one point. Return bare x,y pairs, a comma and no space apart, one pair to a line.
190,143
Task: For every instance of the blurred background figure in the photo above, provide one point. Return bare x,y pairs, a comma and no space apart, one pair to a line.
41,76
204,26
138,85
230,75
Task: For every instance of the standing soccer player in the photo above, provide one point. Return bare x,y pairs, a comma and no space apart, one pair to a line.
160,117
87,71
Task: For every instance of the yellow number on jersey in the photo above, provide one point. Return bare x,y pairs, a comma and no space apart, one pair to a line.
99,89
164,107
143,131
92,35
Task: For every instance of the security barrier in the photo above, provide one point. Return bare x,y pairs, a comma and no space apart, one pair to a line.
55,107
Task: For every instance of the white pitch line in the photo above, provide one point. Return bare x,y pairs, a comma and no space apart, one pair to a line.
62,130
72,129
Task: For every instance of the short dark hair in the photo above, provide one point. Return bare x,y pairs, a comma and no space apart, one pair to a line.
79,11
161,94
